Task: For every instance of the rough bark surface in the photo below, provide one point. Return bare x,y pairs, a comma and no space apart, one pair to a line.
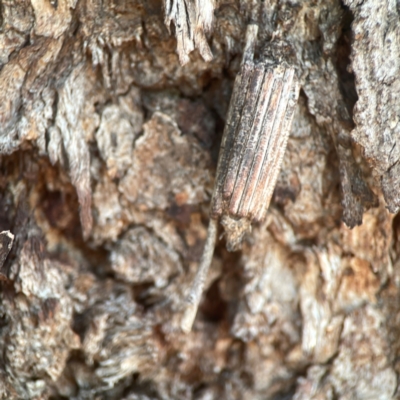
108,150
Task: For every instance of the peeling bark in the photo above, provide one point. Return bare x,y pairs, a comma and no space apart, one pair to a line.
108,151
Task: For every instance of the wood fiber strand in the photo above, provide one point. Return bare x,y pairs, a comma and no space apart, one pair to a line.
228,139
286,126
242,130
263,147
276,150
242,181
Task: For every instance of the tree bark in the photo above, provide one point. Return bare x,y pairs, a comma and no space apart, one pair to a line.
108,151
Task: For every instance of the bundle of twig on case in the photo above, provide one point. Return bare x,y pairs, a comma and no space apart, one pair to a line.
257,128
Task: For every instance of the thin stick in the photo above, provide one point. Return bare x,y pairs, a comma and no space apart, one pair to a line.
193,299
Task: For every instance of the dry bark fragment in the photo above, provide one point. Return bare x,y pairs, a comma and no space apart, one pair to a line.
192,20
6,242
308,309
136,259
376,67
38,338
164,160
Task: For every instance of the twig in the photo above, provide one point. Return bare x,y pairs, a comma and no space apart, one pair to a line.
193,299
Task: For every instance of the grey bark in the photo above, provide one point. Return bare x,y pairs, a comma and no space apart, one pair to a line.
108,150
